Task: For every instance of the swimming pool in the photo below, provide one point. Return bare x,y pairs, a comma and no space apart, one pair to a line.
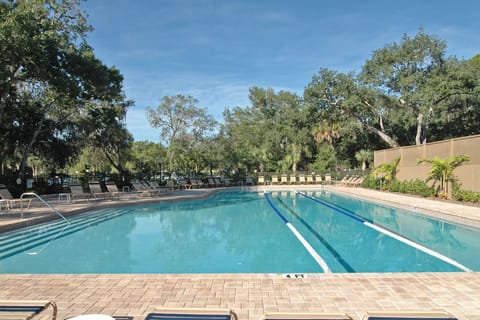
242,232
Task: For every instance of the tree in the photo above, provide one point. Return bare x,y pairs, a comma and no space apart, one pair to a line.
416,75
460,114
178,117
338,100
146,157
364,156
103,127
442,170
48,75
273,130
387,171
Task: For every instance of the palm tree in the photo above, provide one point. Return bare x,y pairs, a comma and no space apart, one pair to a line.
387,170
442,170
364,156
329,132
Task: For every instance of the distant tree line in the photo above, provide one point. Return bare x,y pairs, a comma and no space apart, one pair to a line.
63,110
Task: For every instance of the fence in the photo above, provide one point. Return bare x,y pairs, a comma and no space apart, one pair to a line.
467,174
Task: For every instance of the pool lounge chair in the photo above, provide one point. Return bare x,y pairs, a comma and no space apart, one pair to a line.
305,316
355,182
301,179
219,182
184,184
211,183
143,190
191,314
328,179
310,179
197,183
26,309
115,192
10,201
156,186
284,179
345,180
293,179
77,192
274,179
97,192
408,315
318,179
261,180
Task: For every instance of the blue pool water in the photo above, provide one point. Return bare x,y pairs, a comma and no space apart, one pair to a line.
240,232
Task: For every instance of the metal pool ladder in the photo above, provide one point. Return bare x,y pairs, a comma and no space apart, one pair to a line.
42,201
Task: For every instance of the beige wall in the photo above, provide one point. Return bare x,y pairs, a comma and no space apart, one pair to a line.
468,174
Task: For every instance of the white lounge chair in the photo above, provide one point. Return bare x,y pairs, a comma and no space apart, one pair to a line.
27,309
192,314
77,192
261,180
305,316
97,192
310,179
274,179
408,315
10,202
293,179
301,179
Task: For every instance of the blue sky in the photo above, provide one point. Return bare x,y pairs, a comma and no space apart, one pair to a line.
215,50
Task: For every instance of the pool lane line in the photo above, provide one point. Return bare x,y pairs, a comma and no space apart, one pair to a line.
322,240
389,233
304,242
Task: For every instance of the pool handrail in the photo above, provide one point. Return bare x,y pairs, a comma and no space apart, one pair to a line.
42,201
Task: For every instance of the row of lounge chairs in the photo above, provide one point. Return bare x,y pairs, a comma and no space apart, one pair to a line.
139,188
111,191
36,309
351,181
302,179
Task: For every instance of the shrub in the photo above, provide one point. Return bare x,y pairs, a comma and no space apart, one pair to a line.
371,182
464,195
416,187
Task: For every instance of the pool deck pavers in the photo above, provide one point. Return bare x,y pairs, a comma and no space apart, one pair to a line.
252,295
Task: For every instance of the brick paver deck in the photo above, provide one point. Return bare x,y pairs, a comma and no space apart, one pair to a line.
252,295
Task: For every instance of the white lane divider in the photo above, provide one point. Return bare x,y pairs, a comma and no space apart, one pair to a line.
299,236
389,233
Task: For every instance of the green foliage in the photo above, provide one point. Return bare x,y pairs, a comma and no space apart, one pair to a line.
51,85
182,123
371,182
464,195
146,158
364,156
387,171
415,187
60,105
326,160
442,170
273,132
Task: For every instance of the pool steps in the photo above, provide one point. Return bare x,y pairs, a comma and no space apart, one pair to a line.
28,238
